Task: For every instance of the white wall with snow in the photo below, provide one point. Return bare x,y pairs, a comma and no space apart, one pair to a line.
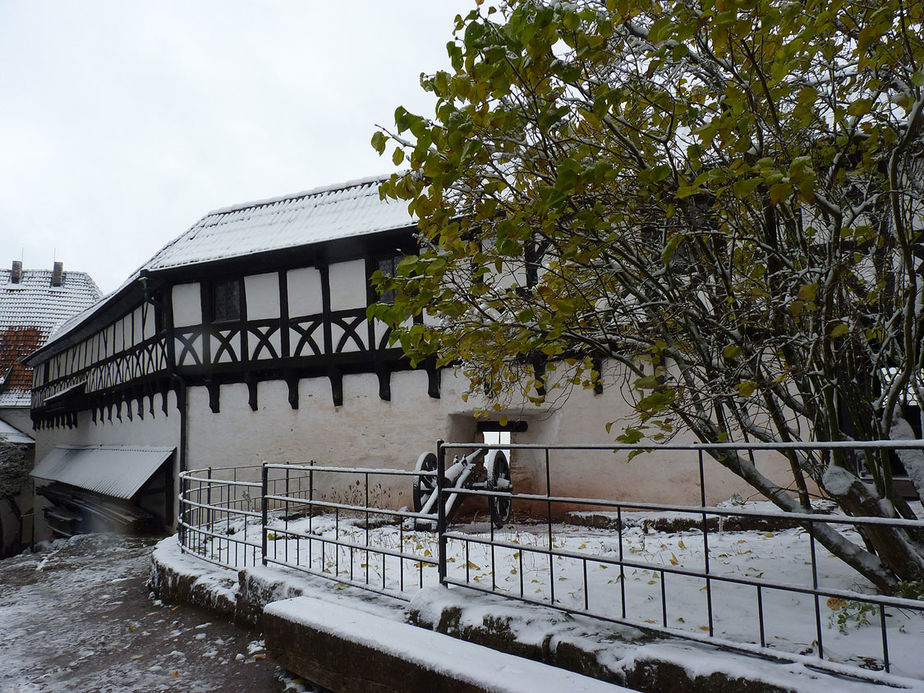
367,431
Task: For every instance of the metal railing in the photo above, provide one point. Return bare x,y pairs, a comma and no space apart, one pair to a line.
341,539
218,508
690,583
285,519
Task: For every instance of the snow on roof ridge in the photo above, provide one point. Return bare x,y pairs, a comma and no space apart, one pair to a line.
42,273
335,187
170,256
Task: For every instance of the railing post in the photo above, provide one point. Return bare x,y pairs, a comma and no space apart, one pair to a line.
208,498
181,500
440,511
702,501
263,509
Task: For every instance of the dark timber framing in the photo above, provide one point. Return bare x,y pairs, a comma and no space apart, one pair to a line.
119,369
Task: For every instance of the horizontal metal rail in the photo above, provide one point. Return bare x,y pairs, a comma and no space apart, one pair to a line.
356,546
218,508
381,471
897,602
344,581
766,447
333,505
816,518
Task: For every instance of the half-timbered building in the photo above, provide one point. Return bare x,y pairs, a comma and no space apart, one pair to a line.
33,303
246,339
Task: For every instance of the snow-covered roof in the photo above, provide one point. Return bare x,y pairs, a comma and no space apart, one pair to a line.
323,214
30,311
330,213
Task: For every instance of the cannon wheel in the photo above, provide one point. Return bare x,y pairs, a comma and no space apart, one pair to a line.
424,486
498,472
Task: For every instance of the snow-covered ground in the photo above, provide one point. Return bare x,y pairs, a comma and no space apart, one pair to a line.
582,580
76,616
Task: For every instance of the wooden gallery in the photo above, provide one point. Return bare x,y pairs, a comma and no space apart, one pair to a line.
246,340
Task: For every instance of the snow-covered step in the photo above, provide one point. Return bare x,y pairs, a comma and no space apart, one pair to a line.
346,650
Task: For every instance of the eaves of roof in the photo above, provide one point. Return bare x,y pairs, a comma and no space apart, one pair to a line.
253,232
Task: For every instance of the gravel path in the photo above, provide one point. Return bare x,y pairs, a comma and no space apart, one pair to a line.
78,617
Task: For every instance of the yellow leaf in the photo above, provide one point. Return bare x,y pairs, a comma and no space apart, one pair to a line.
472,566
674,560
681,545
807,292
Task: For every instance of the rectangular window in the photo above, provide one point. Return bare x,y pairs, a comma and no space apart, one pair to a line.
388,266
227,301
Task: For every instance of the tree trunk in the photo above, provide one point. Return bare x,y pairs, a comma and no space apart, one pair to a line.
904,562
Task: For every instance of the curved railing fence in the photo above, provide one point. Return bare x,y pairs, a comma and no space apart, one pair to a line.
220,511
741,576
290,516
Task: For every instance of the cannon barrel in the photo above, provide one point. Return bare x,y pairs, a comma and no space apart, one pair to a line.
473,456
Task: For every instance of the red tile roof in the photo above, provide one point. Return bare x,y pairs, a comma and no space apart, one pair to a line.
30,310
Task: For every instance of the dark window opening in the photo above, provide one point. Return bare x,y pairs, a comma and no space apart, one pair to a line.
227,301
494,426
389,267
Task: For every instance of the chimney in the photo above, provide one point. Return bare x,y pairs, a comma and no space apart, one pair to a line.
16,273
57,274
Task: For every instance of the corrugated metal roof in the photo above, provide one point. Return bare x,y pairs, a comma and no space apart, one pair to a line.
9,434
112,470
30,310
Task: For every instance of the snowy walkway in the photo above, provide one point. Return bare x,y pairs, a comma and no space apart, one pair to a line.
78,617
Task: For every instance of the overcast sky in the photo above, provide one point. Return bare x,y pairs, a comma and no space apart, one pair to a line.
122,123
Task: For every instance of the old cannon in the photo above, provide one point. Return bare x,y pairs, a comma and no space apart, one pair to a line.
481,470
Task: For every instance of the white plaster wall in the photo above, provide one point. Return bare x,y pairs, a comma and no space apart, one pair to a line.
304,290
262,294
369,432
187,305
348,285
366,431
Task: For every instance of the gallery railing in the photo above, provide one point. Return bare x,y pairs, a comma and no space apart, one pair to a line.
703,573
